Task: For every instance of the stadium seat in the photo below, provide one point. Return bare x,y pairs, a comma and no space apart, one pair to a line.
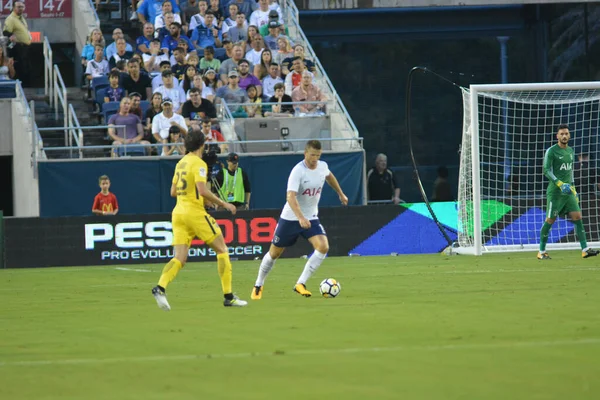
109,109
132,150
99,96
8,89
144,105
99,82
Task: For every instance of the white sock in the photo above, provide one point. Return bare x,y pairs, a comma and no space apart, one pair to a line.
313,263
265,267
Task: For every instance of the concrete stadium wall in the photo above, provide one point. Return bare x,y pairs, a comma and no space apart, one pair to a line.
6,128
25,184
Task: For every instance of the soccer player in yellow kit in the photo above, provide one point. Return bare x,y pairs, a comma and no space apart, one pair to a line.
190,219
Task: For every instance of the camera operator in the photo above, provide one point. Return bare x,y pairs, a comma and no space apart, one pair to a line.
214,167
233,183
210,158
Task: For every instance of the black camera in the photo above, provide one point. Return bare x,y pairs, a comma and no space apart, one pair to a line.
211,159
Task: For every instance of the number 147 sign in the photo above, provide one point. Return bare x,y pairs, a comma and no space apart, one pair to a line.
39,8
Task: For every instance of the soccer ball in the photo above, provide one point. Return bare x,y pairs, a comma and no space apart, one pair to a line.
330,287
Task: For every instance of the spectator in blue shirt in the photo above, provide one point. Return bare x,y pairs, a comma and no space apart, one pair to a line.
95,39
171,42
151,8
111,49
208,34
143,42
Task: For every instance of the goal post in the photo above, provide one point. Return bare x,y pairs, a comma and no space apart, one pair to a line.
502,190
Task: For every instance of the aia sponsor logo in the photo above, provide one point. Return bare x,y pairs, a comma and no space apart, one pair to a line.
311,192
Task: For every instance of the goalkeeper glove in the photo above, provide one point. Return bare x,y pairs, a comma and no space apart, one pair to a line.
575,193
564,187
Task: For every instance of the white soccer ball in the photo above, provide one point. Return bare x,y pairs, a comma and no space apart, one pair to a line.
330,287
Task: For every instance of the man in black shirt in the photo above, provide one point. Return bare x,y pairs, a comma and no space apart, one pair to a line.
179,68
381,182
136,82
196,109
121,55
279,109
442,191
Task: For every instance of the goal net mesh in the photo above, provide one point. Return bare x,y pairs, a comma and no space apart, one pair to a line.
515,128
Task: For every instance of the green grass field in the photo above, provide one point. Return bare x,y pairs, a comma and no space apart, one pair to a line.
409,327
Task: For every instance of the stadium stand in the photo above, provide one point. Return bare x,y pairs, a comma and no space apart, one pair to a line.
330,121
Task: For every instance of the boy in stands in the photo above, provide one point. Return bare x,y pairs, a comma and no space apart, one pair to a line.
105,202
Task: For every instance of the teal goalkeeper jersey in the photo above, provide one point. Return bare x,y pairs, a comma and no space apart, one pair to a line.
558,166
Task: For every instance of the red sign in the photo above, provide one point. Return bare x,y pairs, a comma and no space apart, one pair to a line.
39,8
261,230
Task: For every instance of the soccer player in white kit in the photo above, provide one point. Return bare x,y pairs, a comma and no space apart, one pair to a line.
300,217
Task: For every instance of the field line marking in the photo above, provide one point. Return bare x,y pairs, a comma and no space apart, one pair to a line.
487,271
133,269
407,273
33,289
122,284
309,352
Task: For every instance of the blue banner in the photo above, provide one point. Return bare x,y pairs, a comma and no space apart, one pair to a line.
67,188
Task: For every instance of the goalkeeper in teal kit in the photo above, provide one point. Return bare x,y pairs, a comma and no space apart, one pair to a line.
561,194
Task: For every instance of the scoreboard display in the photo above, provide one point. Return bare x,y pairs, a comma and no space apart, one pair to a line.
35,9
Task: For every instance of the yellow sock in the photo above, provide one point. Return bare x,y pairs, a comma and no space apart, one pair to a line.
169,272
224,266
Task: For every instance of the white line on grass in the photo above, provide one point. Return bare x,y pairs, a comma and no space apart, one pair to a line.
503,271
488,271
133,269
33,289
308,352
456,272
122,284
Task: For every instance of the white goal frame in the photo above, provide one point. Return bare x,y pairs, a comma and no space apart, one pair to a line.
478,247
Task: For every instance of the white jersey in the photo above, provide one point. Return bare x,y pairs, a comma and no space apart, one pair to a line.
97,69
176,94
308,185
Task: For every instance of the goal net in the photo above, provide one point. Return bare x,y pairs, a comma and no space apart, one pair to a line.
502,190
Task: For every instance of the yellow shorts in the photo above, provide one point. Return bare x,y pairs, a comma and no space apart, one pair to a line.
188,226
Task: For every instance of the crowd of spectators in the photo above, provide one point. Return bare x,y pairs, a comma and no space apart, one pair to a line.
191,57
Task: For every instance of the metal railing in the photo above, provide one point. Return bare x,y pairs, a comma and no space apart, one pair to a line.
48,74
60,94
77,134
37,151
75,140
323,105
161,145
92,11
85,19
54,86
226,120
292,18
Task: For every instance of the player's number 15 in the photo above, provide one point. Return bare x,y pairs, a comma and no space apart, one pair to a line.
181,183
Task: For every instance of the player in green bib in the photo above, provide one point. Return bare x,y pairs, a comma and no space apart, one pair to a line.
561,194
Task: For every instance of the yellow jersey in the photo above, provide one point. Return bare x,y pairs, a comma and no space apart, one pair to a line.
188,171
